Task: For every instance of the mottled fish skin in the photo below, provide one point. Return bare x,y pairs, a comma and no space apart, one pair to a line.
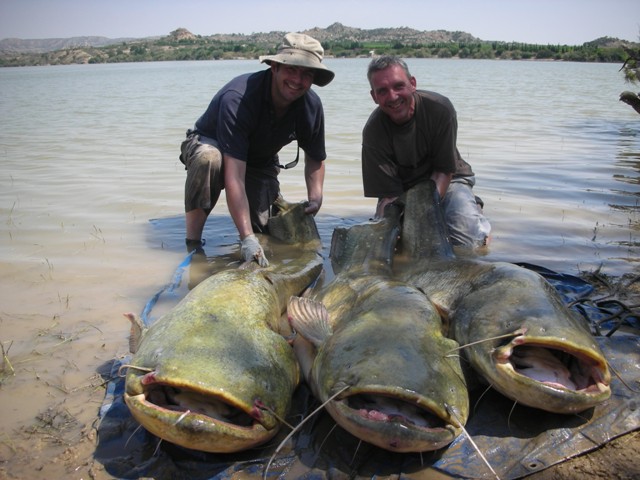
382,340
545,356
215,374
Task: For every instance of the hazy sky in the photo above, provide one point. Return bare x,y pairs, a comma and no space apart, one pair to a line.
570,22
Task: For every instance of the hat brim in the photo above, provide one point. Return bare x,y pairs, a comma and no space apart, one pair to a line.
322,77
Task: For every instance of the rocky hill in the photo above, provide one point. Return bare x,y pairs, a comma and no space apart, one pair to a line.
339,32
335,32
338,40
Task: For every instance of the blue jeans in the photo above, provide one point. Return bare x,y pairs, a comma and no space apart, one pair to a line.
466,223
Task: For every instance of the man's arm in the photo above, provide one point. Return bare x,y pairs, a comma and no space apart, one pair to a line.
234,174
234,185
442,181
314,178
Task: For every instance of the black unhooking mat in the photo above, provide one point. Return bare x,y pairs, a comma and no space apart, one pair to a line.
514,440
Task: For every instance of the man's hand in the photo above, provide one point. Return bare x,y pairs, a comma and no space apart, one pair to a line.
442,181
312,207
250,250
382,203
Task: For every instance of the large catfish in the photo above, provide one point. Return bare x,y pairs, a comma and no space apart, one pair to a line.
214,373
377,344
521,337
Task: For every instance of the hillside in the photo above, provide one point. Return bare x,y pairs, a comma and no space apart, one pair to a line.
335,32
338,41
42,45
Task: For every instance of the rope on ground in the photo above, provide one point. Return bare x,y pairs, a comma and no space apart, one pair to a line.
175,282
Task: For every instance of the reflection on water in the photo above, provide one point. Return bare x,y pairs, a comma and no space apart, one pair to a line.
224,250
628,159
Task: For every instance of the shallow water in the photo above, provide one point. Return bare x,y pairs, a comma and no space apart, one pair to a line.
91,192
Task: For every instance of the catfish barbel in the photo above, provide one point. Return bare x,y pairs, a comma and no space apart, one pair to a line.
521,338
215,374
378,344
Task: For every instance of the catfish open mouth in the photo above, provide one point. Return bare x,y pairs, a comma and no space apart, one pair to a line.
394,423
387,409
188,401
196,420
559,368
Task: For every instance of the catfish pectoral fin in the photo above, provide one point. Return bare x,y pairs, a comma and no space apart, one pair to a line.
310,319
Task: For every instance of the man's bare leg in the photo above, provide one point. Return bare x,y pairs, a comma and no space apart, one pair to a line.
195,220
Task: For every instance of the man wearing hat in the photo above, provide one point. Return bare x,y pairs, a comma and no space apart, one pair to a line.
234,145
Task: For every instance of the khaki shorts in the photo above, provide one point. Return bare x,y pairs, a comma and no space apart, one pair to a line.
205,180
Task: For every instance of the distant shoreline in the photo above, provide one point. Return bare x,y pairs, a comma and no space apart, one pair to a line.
337,40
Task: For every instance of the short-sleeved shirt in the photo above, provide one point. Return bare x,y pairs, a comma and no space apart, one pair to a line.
241,118
397,157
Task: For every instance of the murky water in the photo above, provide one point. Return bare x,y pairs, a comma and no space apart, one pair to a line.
91,192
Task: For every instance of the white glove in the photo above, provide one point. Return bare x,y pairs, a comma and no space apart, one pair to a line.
250,249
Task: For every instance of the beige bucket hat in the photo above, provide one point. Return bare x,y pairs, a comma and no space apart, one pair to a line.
302,51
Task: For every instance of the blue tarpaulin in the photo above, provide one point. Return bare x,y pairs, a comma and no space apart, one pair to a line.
515,440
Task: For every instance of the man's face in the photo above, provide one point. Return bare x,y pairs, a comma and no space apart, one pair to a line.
290,82
392,90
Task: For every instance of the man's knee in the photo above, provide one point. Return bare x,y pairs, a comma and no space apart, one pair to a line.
466,223
469,230
204,180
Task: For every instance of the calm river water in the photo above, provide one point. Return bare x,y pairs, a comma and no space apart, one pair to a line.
91,191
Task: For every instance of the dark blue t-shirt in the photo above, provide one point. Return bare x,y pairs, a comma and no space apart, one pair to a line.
242,119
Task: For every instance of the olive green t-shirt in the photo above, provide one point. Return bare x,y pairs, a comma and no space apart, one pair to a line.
396,157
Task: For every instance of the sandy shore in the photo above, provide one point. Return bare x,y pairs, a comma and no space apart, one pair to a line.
61,439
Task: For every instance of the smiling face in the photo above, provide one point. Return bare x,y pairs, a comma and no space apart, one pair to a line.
289,83
392,90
